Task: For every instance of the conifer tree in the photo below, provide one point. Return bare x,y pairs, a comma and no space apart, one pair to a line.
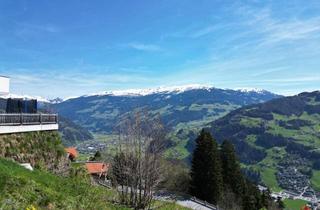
266,197
206,179
231,171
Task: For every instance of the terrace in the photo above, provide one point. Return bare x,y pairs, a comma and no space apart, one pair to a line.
21,115
25,122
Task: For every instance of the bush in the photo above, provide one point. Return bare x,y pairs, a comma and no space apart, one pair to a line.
176,177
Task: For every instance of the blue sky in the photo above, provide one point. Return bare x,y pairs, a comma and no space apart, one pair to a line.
68,48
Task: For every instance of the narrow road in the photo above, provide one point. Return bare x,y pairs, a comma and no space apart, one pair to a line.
192,205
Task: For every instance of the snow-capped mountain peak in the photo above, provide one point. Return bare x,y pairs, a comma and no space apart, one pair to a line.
250,90
149,91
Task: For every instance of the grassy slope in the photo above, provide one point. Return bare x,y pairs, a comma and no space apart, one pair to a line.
315,180
20,188
294,204
180,151
41,189
307,135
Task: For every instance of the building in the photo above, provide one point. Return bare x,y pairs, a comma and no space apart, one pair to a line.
72,153
21,115
4,85
97,169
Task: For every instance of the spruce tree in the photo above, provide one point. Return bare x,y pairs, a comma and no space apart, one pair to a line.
206,179
231,171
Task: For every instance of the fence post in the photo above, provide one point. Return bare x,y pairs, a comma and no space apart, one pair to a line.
40,118
21,120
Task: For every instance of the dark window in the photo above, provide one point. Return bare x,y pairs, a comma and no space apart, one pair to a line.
21,106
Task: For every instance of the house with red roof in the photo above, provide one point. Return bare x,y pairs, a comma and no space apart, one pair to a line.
98,169
72,153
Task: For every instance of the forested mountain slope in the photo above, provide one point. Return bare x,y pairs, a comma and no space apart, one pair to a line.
268,133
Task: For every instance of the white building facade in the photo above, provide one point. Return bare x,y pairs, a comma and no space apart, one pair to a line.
4,85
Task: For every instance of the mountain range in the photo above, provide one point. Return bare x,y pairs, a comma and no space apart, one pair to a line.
183,109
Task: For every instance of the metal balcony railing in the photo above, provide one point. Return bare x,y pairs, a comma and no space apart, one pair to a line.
27,119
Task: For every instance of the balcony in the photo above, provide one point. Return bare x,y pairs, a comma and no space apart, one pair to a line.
17,123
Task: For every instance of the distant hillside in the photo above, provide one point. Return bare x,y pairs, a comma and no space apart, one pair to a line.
72,133
100,112
183,110
273,135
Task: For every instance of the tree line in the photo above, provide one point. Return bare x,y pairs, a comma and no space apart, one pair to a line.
216,178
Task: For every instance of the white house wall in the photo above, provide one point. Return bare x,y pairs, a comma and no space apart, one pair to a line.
4,85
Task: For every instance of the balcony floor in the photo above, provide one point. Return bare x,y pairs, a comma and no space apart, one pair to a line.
27,128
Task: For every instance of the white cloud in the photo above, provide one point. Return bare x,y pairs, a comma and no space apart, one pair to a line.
203,31
274,29
144,47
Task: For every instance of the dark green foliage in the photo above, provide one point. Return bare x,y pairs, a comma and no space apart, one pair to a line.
294,124
252,174
280,203
206,178
118,175
268,140
251,198
266,197
232,176
316,165
237,191
176,177
97,156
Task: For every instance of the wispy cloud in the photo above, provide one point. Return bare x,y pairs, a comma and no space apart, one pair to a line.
25,30
274,30
144,47
69,82
203,31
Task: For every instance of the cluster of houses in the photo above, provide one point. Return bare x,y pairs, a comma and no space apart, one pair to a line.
292,179
90,147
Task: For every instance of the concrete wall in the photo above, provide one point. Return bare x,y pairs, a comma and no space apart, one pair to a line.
27,128
4,85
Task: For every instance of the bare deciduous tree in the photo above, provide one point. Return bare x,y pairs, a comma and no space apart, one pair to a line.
137,163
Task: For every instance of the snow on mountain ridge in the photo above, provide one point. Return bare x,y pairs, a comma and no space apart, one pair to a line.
138,92
26,97
149,91
249,90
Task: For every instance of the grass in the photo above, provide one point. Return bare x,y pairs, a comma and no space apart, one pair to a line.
294,204
268,176
267,167
21,188
315,180
251,122
306,135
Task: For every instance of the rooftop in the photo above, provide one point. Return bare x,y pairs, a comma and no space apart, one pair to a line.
97,167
